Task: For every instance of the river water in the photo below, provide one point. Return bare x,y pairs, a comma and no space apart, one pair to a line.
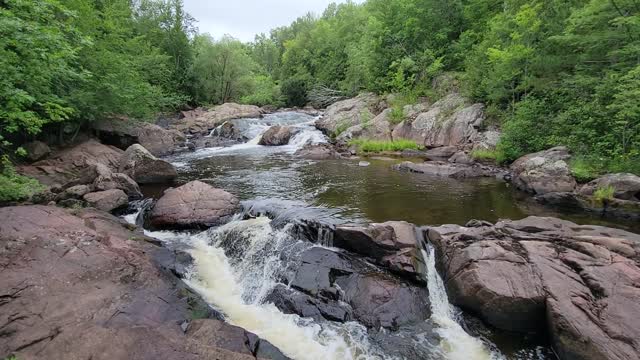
237,265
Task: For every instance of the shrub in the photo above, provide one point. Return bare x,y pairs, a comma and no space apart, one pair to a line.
294,91
15,187
602,195
365,145
487,154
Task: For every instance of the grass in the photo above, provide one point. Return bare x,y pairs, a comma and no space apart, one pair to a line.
15,187
365,145
604,194
485,154
585,169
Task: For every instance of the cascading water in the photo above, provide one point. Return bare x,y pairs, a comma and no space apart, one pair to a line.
456,343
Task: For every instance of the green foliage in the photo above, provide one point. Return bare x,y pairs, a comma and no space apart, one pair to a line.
485,155
342,127
366,145
602,195
264,92
294,91
397,103
15,187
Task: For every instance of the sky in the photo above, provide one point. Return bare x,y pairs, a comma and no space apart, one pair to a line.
243,19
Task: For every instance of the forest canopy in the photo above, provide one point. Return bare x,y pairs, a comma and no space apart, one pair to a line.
550,72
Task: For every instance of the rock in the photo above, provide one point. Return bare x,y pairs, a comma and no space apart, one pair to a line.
36,150
228,130
144,168
448,122
461,157
575,202
108,180
486,140
441,153
129,308
69,164
123,133
364,163
392,244
276,136
410,153
627,186
544,171
318,152
193,205
107,200
445,169
74,192
291,301
344,114
378,128
376,298
576,283
201,122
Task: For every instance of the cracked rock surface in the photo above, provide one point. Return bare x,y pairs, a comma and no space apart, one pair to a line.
581,284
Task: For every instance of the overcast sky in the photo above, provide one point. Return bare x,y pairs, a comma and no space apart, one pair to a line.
243,19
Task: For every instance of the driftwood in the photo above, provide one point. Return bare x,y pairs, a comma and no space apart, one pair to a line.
321,96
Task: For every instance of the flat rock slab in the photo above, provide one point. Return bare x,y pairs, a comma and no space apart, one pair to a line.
84,286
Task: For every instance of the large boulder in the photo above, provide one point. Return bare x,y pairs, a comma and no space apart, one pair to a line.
344,114
441,153
72,163
84,274
393,244
107,200
626,186
36,150
544,172
108,180
144,168
378,128
576,283
486,140
318,152
193,205
276,136
124,133
450,121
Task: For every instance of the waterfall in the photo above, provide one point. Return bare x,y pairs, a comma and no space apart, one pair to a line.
456,343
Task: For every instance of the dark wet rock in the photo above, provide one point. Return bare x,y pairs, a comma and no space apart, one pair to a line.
123,133
107,200
577,283
415,341
544,171
144,168
576,202
441,153
318,152
36,150
394,244
446,169
89,276
193,205
291,301
221,335
277,136
67,165
228,130
377,299
461,157
627,186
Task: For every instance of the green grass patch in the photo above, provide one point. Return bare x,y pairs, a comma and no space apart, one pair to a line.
15,187
365,145
604,194
584,170
485,154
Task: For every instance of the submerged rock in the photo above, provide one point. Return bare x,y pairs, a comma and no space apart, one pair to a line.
544,172
193,205
277,135
318,152
577,283
451,170
144,168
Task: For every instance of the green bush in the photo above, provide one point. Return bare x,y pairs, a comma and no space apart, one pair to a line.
365,145
294,91
15,187
604,194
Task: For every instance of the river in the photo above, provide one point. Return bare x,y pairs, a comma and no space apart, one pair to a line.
236,266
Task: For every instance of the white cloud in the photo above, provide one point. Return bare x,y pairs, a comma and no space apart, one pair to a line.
243,19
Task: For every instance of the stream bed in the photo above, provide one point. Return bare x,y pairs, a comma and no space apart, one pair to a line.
237,266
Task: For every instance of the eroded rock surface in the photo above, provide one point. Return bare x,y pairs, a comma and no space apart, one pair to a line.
347,113
85,286
544,172
139,164
579,283
193,205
